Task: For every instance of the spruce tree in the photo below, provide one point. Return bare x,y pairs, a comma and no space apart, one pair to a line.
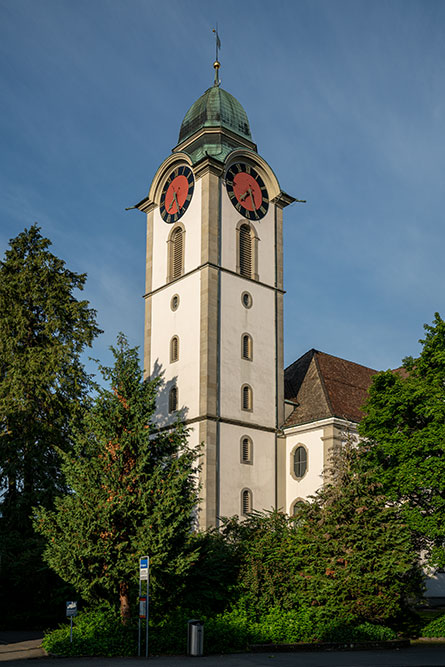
44,328
133,492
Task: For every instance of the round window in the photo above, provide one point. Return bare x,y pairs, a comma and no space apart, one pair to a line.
174,302
246,299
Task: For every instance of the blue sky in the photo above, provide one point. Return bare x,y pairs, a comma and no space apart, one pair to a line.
346,101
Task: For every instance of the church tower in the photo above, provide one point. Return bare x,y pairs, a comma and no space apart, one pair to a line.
214,302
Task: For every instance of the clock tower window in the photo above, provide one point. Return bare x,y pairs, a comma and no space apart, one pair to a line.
176,252
174,349
246,347
246,398
246,501
173,399
247,250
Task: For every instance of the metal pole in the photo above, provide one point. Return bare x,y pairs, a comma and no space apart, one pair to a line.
71,629
139,619
147,614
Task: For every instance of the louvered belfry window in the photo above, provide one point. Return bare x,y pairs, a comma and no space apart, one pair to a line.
173,399
246,397
246,347
245,251
174,349
246,501
176,253
246,450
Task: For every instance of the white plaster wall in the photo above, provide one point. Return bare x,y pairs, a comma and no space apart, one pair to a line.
265,229
235,476
311,438
184,323
259,322
161,230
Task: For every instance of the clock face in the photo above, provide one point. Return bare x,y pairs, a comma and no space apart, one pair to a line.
177,194
247,191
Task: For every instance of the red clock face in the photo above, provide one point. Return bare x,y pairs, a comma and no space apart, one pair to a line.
247,191
177,194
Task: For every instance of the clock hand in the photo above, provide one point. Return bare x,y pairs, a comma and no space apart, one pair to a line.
252,199
176,200
244,195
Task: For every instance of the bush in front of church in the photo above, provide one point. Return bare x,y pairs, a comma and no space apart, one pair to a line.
348,554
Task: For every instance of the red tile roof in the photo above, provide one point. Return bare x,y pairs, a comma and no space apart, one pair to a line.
326,386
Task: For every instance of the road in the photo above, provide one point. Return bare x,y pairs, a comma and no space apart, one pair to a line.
427,655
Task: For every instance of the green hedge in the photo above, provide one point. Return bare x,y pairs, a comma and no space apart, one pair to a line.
435,628
101,632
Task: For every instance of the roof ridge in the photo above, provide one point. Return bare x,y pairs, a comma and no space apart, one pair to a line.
323,384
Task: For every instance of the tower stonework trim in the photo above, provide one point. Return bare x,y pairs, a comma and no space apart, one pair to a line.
209,342
209,373
148,288
210,205
208,508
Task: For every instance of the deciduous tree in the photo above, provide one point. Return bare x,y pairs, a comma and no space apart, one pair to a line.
404,440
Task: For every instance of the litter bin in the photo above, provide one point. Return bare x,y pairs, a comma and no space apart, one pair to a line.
195,637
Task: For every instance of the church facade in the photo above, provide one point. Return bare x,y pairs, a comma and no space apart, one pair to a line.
214,324
214,321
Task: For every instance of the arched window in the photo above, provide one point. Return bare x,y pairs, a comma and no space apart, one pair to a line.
296,506
173,399
176,253
300,462
246,347
246,453
174,349
246,397
246,501
245,251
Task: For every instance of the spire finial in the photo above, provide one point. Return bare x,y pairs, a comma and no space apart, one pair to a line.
217,64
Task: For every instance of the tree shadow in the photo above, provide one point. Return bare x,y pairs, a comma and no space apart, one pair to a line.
163,417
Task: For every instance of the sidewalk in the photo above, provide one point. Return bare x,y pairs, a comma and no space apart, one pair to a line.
22,647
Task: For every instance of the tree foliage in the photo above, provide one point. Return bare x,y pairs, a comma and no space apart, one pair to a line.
347,553
404,440
43,386
133,493
43,331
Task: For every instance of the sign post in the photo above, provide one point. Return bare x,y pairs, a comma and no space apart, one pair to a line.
71,611
144,567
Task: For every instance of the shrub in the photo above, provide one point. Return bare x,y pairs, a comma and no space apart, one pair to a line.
102,633
94,633
435,628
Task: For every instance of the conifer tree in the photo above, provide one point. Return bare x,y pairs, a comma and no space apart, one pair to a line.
132,493
44,328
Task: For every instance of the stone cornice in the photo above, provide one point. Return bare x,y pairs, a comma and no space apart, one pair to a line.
208,165
283,199
217,267
214,130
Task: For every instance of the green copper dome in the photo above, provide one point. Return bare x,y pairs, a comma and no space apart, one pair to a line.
216,108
